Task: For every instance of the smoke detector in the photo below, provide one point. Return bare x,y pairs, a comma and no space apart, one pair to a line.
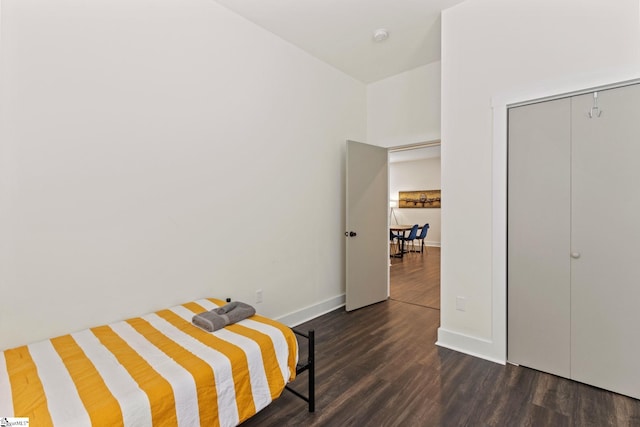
381,34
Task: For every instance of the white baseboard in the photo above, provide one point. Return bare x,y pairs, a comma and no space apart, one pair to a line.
312,311
429,244
473,346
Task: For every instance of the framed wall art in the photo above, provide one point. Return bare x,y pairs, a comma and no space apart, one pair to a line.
419,199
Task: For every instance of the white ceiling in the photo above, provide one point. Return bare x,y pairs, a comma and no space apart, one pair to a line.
340,32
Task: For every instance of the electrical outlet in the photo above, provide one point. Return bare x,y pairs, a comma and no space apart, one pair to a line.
461,304
259,296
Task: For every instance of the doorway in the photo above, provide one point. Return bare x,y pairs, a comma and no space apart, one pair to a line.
415,278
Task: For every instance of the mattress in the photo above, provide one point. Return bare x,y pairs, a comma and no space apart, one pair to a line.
157,369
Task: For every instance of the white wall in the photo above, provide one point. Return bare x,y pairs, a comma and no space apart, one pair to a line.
416,175
496,49
405,108
158,152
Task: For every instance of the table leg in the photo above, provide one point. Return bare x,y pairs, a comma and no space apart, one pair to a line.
400,253
404,235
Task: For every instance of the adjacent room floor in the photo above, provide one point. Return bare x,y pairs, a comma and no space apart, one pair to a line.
379,366
415,278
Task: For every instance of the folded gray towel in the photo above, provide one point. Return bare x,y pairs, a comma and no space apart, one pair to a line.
209,321
220,317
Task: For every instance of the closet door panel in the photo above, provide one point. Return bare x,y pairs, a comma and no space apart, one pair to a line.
605,278
539,236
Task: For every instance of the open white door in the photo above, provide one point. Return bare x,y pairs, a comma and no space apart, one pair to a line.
367,249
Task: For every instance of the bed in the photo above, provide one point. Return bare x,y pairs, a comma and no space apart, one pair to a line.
157,369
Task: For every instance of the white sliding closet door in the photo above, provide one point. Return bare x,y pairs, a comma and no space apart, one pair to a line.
573,232
605,285
539,236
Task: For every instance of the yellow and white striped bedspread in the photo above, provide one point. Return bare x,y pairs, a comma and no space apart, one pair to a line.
158,369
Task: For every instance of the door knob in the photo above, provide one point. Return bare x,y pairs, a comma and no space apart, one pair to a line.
575,255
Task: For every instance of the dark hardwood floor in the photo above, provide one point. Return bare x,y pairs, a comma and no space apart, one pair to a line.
379,366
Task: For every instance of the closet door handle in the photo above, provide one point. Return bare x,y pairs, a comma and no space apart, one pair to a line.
575,255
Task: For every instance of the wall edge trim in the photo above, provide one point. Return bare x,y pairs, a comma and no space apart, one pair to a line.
473,346
310,312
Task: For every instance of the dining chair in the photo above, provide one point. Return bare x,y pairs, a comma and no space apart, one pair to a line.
422,236
410,238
